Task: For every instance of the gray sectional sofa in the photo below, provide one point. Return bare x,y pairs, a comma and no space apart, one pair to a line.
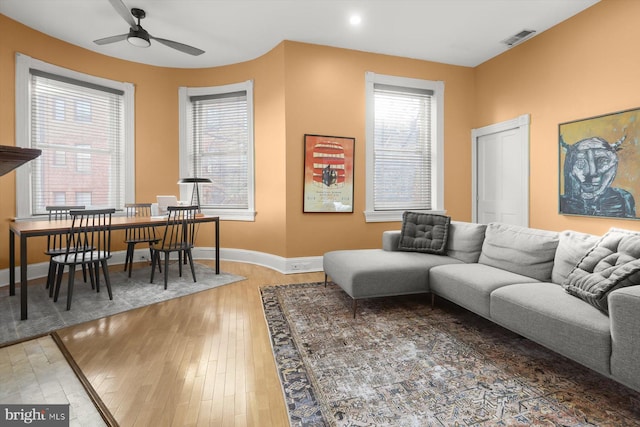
575,293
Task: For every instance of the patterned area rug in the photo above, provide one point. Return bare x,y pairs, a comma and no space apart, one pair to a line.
128,293
400,363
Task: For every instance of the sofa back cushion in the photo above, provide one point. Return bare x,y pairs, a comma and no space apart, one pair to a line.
465,240
573,246
520,250
613,263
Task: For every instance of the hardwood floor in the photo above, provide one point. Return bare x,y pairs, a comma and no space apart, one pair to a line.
199,360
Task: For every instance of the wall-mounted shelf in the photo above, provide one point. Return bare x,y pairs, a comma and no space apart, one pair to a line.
12,157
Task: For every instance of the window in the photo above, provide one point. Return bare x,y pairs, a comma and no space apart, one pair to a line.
59,158
59,198
83,110
403,146
99,137
83,198
59,109
83,158
216,142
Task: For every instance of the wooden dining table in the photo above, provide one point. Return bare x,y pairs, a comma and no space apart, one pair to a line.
26,229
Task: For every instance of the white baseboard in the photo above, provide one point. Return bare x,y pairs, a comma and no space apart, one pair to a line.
280,264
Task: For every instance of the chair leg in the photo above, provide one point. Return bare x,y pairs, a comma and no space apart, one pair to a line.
126,257
105,270
166,268
180,262
60,270
155,258
96,270
129,260
72,273
51,277
151,258
92,275
190,256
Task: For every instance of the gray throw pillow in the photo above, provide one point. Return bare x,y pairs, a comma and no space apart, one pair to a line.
611,264
422,232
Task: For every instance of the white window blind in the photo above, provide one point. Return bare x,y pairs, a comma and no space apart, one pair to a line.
220,149
79,126
402,139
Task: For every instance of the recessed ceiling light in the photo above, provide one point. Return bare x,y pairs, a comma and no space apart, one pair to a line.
355,20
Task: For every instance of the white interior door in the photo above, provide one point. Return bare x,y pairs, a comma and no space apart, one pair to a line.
501,172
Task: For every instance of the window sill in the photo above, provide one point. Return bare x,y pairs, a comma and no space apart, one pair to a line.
394,216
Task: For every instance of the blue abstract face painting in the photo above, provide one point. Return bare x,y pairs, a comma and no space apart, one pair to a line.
590,168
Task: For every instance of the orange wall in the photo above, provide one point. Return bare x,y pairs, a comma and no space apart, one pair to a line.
584,67
325,94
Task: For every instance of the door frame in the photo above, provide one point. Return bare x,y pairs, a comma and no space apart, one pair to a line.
520,124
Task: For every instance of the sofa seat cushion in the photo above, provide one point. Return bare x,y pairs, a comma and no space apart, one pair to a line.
470,285
546,314
367,273
521,250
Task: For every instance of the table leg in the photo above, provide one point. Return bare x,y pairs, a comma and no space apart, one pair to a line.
23,277
12,263
218,246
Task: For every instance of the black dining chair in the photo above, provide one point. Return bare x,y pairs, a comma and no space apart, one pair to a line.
57,243
179,236
88,244
137,235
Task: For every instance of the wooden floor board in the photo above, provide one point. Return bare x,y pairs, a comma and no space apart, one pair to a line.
200,360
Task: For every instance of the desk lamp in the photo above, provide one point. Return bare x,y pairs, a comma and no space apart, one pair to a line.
195,195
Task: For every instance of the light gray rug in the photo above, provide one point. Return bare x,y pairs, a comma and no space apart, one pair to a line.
128,293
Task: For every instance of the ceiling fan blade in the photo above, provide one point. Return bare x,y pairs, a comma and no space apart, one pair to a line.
179,46
124,11
111,39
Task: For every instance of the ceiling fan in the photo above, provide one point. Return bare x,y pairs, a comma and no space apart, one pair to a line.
137,35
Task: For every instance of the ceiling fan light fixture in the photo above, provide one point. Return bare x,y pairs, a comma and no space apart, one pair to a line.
139,38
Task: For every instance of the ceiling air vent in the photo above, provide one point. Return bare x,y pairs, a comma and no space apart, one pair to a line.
519,38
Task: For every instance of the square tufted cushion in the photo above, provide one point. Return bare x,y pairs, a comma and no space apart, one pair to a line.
422,232
611,264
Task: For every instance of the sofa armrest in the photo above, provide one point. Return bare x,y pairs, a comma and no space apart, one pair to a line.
390,240
624,312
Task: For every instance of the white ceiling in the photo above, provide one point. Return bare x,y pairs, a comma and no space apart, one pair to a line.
459,32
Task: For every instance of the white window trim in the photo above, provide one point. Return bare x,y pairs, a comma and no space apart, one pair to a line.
437,150
184,93
23,129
